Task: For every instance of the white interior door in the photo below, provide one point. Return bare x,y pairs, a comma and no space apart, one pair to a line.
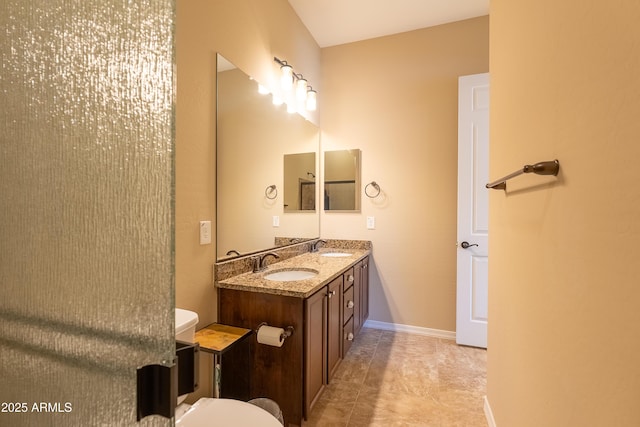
473,210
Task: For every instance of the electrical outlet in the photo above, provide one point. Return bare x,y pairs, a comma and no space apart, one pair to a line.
205,232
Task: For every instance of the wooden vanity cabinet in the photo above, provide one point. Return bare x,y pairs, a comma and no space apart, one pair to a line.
325,324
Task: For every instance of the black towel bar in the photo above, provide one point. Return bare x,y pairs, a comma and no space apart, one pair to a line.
543,168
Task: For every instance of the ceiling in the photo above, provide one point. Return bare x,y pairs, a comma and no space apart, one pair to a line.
333,22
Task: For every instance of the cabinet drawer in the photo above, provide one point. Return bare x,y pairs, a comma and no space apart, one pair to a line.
349,304
349,277
348,337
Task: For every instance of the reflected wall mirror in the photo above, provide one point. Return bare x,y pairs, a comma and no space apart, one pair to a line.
252,138
342,181
300,182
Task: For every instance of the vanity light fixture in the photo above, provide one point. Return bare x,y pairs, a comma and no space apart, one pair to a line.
304,96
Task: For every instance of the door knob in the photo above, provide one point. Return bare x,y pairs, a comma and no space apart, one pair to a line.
466,245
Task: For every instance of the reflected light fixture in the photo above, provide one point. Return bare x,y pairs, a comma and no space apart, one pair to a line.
262,90
304,95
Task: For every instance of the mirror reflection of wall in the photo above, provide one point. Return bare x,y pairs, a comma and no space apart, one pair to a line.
342,180
252,137
299,182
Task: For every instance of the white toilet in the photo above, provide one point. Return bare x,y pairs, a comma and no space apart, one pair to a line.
210,412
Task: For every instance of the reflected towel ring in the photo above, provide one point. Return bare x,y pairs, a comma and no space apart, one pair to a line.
375,186
271,192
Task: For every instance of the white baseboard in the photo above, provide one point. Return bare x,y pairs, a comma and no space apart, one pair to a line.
491,422
436,333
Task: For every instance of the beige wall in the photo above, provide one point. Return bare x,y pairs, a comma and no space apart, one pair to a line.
249,33
564,293
400,110
396,99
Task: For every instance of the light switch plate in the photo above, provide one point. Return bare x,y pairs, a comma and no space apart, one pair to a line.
276,221
371,223
205,232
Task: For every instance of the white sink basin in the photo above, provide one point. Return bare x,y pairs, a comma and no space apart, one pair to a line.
336,254
291,275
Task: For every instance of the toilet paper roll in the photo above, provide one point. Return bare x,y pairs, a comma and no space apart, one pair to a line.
269,335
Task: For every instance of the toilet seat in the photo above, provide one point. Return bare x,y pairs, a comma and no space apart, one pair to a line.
210,412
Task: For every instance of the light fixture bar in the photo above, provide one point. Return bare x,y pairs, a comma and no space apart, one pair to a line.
304,94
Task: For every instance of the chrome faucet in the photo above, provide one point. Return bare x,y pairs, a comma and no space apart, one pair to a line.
314,245
259,261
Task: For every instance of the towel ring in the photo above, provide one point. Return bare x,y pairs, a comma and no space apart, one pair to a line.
271,192
375,186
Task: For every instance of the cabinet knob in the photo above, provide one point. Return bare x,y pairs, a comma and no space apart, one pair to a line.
331,293
350,304
350,336
350,278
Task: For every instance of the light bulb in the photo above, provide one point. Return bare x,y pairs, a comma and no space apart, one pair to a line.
286,80
311,100
301,89
262,90
276,100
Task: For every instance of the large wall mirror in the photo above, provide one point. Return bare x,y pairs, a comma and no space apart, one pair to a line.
342,181
255,140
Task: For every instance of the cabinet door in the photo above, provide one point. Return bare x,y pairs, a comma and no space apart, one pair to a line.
357,297
364,282
315,372
334,333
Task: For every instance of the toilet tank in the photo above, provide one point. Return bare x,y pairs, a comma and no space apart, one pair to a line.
186,322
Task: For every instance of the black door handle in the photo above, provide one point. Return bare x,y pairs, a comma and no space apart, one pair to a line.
466,245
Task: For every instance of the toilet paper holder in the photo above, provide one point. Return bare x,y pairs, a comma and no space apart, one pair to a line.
288,331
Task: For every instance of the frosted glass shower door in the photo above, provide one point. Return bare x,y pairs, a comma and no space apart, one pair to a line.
86,216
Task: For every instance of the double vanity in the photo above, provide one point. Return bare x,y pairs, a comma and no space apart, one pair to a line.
322,296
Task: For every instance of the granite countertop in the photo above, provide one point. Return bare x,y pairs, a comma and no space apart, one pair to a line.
328,269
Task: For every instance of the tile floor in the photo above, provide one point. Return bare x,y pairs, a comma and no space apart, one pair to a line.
400,379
